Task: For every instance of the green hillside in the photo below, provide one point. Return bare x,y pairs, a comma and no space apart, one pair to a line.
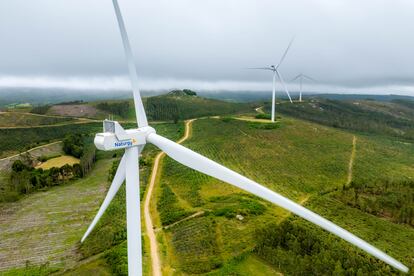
306,156
389,118
304,161
173,106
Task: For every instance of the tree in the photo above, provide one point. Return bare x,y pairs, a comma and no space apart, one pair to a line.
73,145
18,166
338,271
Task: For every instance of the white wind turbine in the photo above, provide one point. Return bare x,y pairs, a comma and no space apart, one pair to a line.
275,70
133,141
302,77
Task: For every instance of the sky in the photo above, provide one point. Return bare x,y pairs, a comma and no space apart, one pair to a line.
347,46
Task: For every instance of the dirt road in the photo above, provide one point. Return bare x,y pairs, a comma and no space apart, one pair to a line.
155,260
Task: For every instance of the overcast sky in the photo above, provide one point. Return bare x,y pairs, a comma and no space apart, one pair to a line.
348,46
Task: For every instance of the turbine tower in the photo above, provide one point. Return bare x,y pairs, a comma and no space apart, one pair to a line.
133,141
302,77
275,70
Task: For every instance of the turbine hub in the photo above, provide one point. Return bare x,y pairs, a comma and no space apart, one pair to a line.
115,137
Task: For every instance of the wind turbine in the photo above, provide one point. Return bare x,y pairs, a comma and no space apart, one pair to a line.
302,77
275,70
133,141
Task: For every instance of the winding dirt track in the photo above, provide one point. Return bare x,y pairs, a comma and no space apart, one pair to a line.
155,260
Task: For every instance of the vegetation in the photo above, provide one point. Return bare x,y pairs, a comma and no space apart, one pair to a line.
386,198
181,105
298,248
40,109
301,160
196,253
115,108
237,233
18,140
21,119
265,116
73,144
395,119
169,208
25,179
51,223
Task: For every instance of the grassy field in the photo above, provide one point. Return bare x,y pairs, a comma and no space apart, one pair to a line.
18,119
304,161
59,162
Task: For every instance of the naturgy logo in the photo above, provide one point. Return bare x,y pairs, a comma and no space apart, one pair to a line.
126,143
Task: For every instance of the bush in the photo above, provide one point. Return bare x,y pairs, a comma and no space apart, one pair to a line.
264,125
265,116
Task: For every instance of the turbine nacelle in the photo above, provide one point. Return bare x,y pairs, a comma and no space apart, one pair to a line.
116,137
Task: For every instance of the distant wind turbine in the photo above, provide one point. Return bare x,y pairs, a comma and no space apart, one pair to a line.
133,141
275,70
302,77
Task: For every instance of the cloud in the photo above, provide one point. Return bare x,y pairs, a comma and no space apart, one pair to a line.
349,44
122,83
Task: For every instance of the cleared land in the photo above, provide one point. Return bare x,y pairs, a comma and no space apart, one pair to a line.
75,110
19,119
59,162
47,226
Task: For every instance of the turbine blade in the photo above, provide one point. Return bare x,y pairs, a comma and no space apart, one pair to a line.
297,77
309,78
260,68
204,165
285,53
139,107
284,85
116,184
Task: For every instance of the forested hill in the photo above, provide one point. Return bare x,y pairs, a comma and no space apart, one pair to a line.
185,104
395,118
